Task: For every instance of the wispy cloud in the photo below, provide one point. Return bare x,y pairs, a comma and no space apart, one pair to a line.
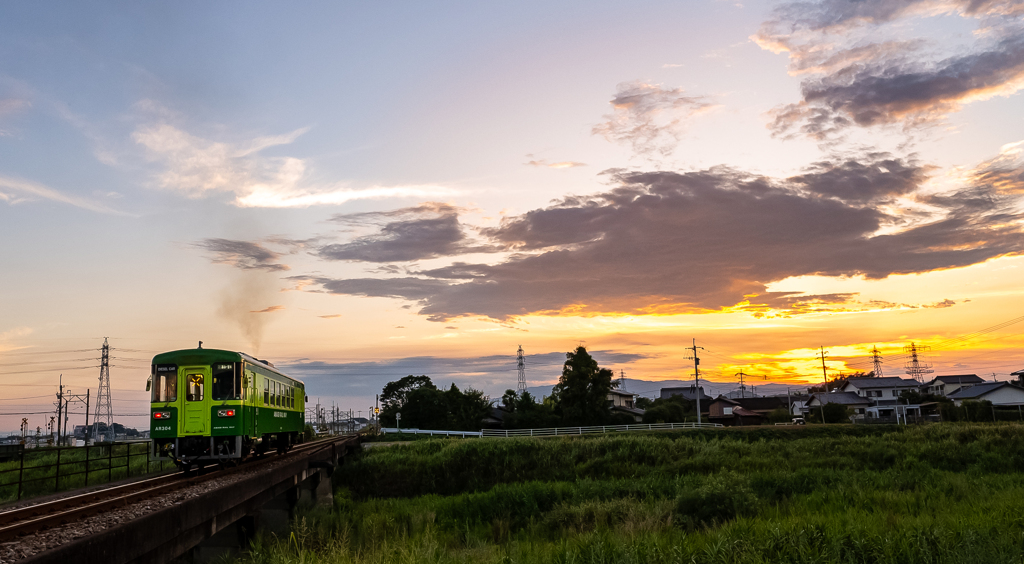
9,106
245,255
1004,173
18,191
270,309
425,231
649,117
560,164
197,167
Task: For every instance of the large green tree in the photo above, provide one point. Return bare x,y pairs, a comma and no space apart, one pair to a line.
581,395
424,406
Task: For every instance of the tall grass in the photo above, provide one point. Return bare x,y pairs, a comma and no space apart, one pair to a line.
938,494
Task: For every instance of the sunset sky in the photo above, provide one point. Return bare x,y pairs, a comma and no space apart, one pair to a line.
361,191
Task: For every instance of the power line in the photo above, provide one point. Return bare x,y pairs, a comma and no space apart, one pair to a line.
46,361
45,370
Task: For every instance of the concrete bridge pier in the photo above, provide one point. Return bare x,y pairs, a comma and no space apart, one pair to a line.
274,516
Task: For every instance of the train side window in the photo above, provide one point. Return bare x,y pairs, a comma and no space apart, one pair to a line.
224,385
266,392
194,387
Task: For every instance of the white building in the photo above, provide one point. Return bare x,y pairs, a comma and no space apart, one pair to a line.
999,393
946,385
622,402
883,391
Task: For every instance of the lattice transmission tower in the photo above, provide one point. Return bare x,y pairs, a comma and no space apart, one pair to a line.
104,407
521,364
914,366
877,359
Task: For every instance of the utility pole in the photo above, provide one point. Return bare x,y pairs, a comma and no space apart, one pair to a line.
877,358
60,406
824,375
696,375
521,364
104,409
743,389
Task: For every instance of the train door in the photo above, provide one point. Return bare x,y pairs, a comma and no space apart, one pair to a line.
196,417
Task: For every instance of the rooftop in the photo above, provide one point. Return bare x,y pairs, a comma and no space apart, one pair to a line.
977,390
865,383
842,398
957,379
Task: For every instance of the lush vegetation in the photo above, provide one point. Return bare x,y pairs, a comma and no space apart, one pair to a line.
579,398
423,406
822,494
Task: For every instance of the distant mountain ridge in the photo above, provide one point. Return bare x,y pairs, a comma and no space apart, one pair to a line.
652,388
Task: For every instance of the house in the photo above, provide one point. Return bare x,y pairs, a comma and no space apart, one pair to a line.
999,393
797,404
689,393
622,402
884,391
945,385
730,413
1020,377
851,400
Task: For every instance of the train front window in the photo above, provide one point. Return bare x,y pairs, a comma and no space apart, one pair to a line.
165,383
194,387
226,382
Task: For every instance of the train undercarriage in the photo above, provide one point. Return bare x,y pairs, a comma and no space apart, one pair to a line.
188,451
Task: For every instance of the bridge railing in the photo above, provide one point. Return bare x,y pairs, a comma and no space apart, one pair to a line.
37,471
560,431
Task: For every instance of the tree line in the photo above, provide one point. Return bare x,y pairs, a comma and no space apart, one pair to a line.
579,398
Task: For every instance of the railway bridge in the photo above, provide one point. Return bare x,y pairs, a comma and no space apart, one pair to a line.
173,519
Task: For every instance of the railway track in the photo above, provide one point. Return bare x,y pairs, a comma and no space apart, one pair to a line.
29,519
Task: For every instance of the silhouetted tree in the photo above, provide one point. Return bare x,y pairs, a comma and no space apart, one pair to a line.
581,395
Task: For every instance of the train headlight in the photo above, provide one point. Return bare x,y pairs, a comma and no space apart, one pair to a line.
161,415
226,413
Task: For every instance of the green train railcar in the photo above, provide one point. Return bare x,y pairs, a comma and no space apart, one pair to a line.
217,405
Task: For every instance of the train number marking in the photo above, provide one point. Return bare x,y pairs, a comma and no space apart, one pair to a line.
161,428
280,414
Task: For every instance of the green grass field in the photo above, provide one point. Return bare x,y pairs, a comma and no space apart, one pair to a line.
932,494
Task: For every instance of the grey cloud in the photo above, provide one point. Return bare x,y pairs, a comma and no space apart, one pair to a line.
883,93
242,254
888,82
881,177
706,240
648,117
408,234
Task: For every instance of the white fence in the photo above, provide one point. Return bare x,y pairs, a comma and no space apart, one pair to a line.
559,431
386,430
